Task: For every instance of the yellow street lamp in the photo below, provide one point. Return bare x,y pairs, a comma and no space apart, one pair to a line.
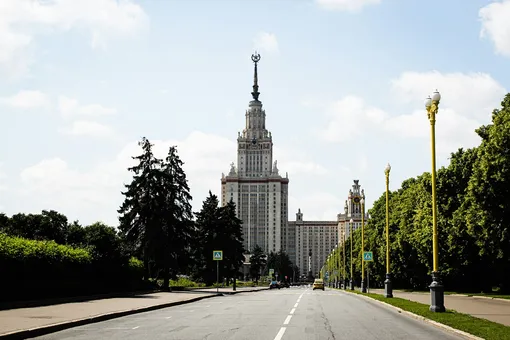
436,288
343,236
352,238
363,286
388,287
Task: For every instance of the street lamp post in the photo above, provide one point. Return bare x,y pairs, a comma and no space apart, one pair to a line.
436,288
343,235
351,236
388,288
363,286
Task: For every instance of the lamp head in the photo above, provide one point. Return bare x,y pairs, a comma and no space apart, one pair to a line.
388,168
428,102
436,96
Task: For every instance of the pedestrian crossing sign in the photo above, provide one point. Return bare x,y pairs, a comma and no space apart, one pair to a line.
368,256
218,255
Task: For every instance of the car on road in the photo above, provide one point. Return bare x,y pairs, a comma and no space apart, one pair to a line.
274,284
318,284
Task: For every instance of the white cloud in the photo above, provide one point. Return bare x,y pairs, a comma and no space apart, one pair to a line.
3,176
266,42
26,100
467,101
351,112
346,5
22,20
473,94
88,129
296,163
70,107
316,206
52,182
496,25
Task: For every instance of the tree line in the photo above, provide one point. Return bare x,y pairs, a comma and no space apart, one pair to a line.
473,195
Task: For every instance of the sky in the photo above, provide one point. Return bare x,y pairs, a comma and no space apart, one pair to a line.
342,81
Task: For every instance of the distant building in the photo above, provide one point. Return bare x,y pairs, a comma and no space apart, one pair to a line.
320,237
352,210
255,185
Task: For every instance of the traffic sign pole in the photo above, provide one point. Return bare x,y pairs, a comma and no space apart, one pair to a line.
217,256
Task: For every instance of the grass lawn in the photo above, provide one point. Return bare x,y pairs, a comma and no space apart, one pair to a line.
480,327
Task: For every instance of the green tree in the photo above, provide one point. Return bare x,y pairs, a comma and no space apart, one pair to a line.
208,226
138,220
257,262
231,238
176,216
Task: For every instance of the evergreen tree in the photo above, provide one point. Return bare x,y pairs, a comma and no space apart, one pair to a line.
231,238
176,216
208,225
137,219
257,262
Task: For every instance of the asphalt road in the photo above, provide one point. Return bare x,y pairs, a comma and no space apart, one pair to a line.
294,313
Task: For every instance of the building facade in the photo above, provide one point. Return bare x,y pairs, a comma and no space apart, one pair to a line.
352,210
255,185
319,237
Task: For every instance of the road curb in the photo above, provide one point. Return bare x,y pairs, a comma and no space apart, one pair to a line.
39,331
422,318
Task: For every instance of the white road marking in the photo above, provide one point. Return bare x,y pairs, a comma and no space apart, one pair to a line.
295,305
168,317
292,310
280,334
207,306
286,322
135,327
191,311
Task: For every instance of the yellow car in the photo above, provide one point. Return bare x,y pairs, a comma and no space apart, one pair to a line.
318,284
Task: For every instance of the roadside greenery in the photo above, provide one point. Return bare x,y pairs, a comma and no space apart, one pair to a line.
473,221
480,327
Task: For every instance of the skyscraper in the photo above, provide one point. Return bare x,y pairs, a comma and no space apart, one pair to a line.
255,185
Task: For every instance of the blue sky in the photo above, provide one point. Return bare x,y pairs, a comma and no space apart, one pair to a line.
342,83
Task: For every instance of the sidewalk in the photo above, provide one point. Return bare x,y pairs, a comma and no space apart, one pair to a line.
490,309
47,319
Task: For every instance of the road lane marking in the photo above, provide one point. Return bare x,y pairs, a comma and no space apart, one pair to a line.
168,317
287,320
280,334
191,311
292,310
135,327
207,306
295,305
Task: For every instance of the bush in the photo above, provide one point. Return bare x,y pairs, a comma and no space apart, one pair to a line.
43,269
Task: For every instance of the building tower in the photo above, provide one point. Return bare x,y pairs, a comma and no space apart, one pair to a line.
255,185
352,210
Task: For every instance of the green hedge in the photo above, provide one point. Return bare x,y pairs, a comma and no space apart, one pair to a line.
32,269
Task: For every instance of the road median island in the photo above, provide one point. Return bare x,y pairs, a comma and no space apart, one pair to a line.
464,324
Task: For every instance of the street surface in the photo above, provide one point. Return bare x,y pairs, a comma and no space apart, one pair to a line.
293,313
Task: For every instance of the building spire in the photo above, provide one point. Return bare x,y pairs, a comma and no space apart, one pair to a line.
255,94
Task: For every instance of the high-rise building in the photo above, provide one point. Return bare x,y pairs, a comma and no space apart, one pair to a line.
352,211
255,185
316,237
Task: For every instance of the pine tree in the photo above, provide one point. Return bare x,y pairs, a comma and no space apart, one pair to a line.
208,225
175,212
137,219
232,239
257,262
